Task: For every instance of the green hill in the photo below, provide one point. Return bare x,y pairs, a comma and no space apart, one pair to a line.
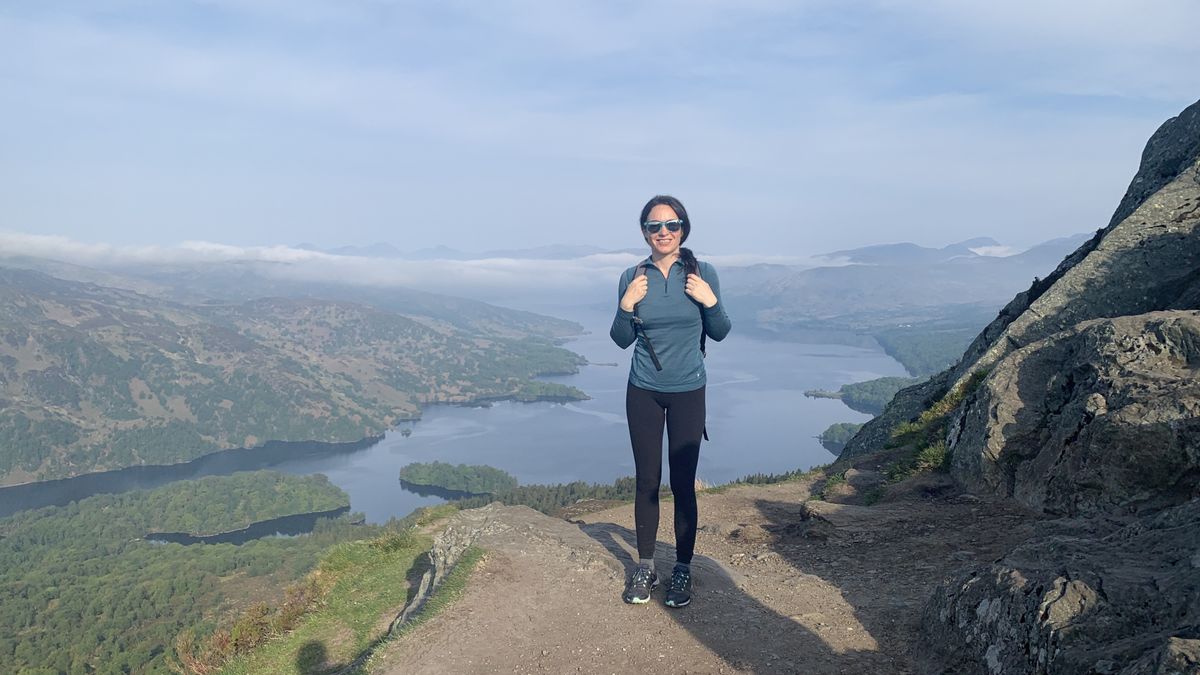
95,378
82,591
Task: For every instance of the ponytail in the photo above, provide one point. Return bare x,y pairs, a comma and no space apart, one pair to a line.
690,265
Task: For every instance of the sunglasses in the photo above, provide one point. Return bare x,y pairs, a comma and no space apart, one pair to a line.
653,226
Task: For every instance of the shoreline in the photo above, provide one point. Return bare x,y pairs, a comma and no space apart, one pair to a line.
477,402
430,490
31,495
295,523
206,456
63,491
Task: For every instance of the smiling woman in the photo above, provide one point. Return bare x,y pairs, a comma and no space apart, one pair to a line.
673,301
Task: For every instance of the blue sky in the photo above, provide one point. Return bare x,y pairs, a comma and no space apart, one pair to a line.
788,128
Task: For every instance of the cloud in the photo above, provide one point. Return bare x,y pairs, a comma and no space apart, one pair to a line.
787,127
491,279
995,251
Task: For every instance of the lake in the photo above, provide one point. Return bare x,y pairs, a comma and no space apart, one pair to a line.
759,421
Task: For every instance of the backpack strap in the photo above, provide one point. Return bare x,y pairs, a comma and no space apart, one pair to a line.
637,323
694,268
703,335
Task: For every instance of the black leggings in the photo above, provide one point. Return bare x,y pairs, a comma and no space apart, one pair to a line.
684,415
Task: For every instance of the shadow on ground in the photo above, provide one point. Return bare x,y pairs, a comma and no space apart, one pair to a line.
736,626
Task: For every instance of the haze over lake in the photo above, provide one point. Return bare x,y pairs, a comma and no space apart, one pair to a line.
758,420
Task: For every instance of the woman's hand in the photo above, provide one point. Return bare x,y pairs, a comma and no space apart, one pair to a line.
699,290
634,293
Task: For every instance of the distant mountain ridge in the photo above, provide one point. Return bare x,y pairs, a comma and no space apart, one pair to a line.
240,281
922,304
907,253
897,276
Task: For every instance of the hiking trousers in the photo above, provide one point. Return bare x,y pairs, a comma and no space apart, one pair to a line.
683,414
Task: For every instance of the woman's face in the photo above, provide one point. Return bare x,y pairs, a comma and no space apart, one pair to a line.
664,242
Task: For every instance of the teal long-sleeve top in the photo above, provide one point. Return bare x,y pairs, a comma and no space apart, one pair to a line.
673,322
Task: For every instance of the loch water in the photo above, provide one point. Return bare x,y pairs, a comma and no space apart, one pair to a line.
759,421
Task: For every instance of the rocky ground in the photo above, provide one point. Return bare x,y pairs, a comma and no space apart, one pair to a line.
784,584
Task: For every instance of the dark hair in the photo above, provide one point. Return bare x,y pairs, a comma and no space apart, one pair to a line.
685,254
675,205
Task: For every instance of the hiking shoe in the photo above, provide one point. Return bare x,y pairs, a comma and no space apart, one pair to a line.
641,583
679,592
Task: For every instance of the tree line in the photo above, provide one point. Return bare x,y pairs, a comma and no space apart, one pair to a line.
473,478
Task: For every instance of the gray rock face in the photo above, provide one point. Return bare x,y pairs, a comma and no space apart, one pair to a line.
1090,410
1077,601
1146,259
1101,418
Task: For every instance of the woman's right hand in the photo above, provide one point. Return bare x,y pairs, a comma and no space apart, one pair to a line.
634,293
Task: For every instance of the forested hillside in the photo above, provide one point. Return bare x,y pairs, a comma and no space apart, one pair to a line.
94,378
81,591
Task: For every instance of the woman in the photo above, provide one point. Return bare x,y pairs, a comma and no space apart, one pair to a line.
667,303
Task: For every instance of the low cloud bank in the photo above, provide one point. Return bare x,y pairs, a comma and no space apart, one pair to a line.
492,279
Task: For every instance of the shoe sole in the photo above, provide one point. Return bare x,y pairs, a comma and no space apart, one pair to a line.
677,605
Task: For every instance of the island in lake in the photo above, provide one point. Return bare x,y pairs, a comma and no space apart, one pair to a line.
466,479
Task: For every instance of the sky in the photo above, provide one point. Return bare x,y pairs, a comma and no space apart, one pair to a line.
787,128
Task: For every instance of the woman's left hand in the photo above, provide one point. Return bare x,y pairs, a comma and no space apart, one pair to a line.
699,290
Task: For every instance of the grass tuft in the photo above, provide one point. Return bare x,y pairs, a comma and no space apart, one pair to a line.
926,435
452,588
831,481
932,457
354,587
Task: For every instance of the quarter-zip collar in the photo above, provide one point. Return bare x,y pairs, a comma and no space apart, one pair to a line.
648,261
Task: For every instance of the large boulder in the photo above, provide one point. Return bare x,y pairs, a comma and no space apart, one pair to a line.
1103,418
1077,600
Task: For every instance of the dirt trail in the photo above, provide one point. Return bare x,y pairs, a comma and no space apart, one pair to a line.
783,585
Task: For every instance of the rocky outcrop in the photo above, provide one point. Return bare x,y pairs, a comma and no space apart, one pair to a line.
1078,600
1091,405
1146,259
1101,418
1087,409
